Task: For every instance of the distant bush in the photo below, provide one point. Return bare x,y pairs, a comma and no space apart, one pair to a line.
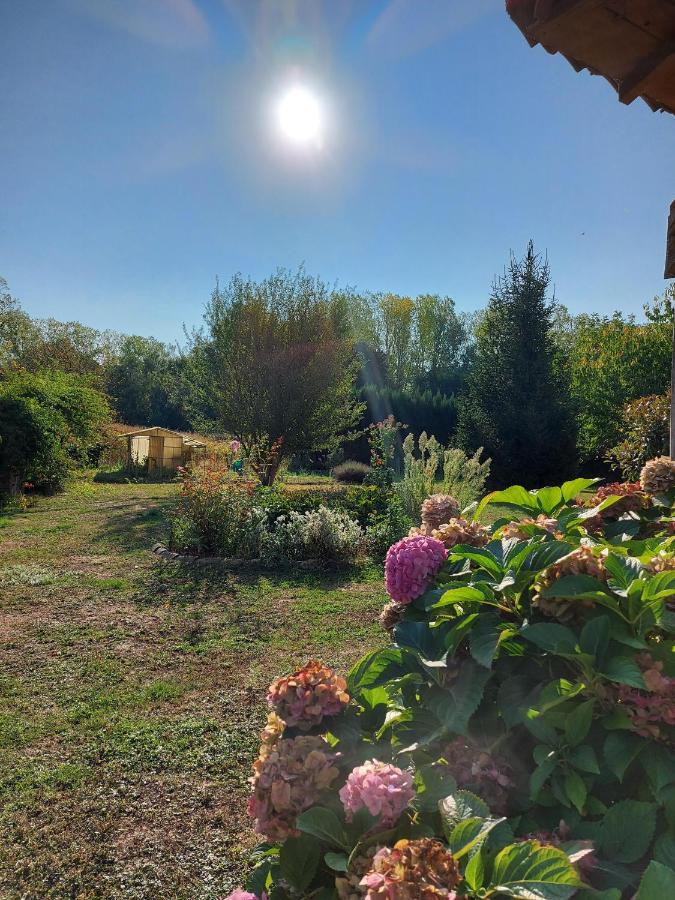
646,434
49,423
329,535
351,472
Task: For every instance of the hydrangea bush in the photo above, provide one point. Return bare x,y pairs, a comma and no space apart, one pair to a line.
516,737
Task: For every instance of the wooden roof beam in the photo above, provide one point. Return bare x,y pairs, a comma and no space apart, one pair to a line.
637,81
546,11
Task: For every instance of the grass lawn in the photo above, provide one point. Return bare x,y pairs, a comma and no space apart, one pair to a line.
132,693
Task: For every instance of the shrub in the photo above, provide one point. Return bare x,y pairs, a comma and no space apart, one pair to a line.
351,472
462,477
48,424
498,746
646,429
215,515
330,535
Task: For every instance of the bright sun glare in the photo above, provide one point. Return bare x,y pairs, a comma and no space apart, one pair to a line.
300,117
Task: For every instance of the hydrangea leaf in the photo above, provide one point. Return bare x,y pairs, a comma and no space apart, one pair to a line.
627,830
532,872
299,859
324,824
657,883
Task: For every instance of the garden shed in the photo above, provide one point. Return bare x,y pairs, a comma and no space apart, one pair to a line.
161,448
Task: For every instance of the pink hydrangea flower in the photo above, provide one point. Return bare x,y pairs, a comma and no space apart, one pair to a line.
239,894
410,565
384,790
235,446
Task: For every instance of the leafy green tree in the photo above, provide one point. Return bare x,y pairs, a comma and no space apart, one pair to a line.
145,382
612,361
276,365
514,406
48,423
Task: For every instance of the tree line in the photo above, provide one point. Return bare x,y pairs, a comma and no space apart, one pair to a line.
294,366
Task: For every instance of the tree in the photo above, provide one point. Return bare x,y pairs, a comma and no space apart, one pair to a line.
144,381
514,405
612,361
276,366
48,423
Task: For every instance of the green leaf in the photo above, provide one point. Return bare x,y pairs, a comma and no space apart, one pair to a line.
417,636
433,783
576,790
376,668
584,758
578,722
664,849
572,489
657,883
474,874
469,834
515,497
324,824
581,587
623,569
541,774
620,749
551,637
594,638
477,593
624,670
484,640
454,706
336,861
627,830
481,557
299,858
462,805
532,872
550,499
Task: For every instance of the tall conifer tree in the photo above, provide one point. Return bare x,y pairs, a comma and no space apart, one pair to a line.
517,405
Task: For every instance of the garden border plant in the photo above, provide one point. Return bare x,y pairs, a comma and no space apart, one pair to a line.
516,737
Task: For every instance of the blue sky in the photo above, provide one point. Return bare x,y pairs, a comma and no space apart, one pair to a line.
139,156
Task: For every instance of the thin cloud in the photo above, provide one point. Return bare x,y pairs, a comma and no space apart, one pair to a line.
406,27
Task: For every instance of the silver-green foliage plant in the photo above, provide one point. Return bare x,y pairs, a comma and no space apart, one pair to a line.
430,468
464,476
329,534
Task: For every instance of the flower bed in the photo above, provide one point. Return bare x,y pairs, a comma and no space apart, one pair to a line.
516,739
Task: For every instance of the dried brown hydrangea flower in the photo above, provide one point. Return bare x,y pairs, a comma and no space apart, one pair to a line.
437,510
517,529
412,870
460,531
658,475
391,615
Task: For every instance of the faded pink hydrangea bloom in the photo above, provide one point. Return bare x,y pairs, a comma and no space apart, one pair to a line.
384,790
307,696
235,446
410,565
287,779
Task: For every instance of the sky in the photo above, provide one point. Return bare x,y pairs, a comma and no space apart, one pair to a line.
141,156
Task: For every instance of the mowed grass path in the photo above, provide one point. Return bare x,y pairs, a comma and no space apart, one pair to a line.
132,694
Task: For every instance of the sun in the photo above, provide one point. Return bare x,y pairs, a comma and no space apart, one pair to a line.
300,117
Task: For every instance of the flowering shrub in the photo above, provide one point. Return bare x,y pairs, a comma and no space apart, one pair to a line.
498,747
